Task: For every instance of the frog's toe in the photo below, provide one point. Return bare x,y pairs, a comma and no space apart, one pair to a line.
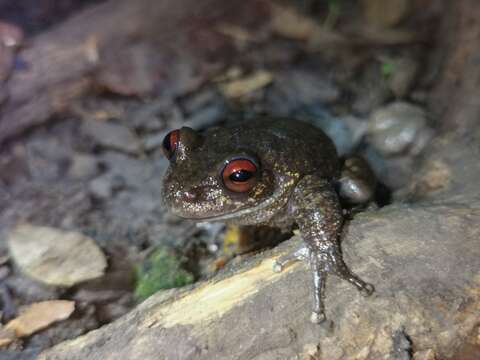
317,317
277,267
367,290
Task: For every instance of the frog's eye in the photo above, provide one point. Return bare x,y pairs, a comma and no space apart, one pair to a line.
240,175
170,143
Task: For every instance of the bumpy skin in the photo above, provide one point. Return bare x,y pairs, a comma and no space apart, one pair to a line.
299,172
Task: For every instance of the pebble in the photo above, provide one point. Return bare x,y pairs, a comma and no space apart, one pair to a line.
55,257
403,77
154,116
112,136
346,132
83,166
199,100
399,128
205,118
385,14
306,87
29,290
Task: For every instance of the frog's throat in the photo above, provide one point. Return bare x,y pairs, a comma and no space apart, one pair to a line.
279,198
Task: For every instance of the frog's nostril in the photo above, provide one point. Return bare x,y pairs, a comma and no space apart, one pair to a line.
190,195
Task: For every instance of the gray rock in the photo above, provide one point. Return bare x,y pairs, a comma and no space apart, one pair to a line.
101,187
30,291
157,115
112,136
399,128
206,117
403,77
83,166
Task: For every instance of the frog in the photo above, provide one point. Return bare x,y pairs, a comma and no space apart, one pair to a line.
274,171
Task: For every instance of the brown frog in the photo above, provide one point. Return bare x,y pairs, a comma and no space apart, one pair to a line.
270,171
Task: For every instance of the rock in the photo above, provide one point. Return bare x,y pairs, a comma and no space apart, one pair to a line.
154,141
199,100
399,128
47,157
206,117
307,87
103,187
29,290
371,91
55,257
394,172
83,166
403,76
112,136
346,132
385,14
155,115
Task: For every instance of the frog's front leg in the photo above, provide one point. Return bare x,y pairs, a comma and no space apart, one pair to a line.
316,209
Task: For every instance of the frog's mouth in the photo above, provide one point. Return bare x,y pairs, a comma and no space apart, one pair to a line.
277,199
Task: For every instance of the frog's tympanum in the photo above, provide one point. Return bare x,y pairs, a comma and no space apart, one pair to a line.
270,171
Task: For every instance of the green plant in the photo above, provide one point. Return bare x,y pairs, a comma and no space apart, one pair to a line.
387,68
162,270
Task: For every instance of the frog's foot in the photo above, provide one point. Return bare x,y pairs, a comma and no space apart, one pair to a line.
332,262
282,261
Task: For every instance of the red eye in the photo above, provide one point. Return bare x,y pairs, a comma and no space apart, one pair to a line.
170,143
239,175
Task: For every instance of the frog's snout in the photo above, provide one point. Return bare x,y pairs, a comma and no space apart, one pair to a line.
190,195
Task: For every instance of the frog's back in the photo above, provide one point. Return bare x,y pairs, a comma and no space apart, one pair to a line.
294,144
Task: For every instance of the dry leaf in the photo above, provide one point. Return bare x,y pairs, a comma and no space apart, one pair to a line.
246,85
289,23
40,315
7,336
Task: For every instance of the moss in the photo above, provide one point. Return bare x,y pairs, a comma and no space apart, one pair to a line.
162,270
387,68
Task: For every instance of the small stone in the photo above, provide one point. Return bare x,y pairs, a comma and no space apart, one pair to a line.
154,141
101,187
398,128
83,166
199,100
424,355
29,290
154,116
403,77
385,14
112,136
206,117
55,257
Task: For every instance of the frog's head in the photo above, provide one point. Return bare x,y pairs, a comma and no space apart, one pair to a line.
218,176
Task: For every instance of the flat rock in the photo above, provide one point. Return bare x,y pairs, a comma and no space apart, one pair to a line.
112,136
55,257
